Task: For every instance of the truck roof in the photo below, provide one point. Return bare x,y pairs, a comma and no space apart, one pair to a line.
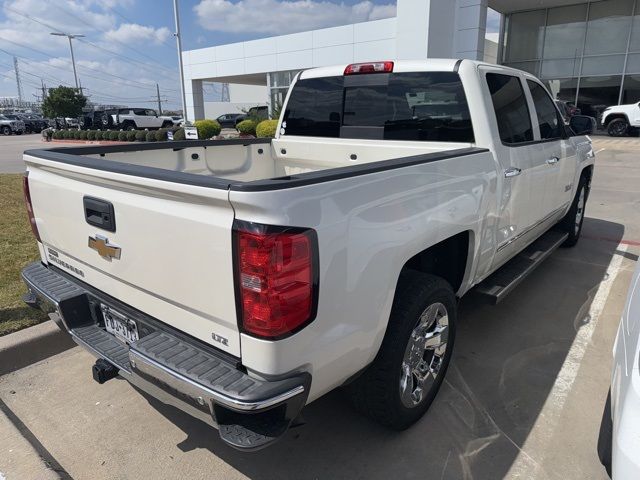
426,65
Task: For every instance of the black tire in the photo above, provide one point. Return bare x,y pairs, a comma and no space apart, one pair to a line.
377,391
27,129
128,126
618,127
6,130
167,124
605,437
571,223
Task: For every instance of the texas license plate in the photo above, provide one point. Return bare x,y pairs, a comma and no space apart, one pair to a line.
117,324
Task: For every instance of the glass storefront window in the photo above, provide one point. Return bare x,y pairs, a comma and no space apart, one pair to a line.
565,31
532,67
525,32
563,89
560,68
631,89
598,93
608,27
606,65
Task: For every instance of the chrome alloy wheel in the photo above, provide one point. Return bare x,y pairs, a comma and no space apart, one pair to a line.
424,355
579,212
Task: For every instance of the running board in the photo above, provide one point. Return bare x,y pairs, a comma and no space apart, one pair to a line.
500,283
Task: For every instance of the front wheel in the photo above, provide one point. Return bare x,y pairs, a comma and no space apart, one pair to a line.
618,127
6,130
399,386
573,220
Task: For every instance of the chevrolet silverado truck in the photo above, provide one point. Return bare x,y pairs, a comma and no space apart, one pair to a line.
240,280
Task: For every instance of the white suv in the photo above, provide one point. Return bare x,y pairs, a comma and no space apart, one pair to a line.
619,120
140,118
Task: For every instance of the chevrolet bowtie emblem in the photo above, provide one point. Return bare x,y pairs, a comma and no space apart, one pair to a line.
106,250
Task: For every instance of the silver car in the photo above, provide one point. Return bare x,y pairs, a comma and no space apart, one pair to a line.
9,126
619,442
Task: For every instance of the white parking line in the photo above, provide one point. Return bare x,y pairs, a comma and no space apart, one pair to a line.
543,430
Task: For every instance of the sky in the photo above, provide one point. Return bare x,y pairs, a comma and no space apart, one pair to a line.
129,45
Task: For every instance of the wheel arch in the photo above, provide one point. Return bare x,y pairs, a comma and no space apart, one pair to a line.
448,259
613,116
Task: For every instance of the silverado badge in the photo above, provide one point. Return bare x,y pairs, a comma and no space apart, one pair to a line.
106,250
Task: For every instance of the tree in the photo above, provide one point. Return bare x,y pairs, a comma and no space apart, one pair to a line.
63,102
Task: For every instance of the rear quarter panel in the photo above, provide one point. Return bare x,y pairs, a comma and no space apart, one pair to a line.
368,226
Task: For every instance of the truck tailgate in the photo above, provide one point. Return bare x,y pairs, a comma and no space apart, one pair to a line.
175,244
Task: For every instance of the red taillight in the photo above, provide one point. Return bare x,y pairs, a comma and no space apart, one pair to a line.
276,278
371,67
27,201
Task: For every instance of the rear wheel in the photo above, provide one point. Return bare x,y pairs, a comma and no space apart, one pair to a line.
129,126
167,124
618,127
399,386
6,130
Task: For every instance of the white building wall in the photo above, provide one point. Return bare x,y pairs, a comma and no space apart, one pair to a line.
253,94
422,29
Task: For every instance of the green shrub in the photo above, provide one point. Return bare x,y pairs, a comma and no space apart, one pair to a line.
131,136
114,135
91,135
247,127
57,135
179,134
83,134
65,134
207,128
141,135
99,134
122,136
267,129
74,135
151,136
160,135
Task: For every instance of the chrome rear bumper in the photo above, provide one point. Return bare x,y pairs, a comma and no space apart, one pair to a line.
249,413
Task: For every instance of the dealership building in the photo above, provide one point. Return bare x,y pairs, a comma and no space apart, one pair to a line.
587,53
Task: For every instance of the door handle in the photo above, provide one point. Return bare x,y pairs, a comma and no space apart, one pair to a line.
512,172
553,160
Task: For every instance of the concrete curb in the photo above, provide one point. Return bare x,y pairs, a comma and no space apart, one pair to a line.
22,348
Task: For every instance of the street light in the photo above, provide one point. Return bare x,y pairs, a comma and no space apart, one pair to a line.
71,36
176,14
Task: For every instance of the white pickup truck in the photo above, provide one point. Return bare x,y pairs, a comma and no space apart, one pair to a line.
242,279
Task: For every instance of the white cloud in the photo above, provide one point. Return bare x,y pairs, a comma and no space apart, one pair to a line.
130,33
278,17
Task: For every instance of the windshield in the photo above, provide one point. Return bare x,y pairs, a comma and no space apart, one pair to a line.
422,106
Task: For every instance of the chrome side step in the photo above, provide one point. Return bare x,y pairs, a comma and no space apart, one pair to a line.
499,284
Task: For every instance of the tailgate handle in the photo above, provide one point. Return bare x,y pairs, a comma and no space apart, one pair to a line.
99,213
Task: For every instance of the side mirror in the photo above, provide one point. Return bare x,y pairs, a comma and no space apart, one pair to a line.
582,125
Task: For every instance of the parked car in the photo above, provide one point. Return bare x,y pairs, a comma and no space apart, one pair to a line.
34,123
177,120
11,125
620,120
567,109
136,119
619,443
229,120
242,279
258,114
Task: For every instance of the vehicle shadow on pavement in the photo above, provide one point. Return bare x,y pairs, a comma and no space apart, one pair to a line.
506,361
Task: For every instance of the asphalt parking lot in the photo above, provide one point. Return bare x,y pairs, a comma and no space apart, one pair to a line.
522,399
12,146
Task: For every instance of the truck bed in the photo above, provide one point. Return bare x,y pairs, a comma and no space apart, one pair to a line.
248,164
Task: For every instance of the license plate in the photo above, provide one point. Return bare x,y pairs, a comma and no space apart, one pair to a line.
117,324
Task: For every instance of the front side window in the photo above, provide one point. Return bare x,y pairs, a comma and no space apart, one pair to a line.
416,106
510,106
139,111
546,113
150,113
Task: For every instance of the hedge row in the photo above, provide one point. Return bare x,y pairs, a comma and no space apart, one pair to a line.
206,129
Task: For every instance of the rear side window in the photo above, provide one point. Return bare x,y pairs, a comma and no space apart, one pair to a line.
422,106
510,105
546,112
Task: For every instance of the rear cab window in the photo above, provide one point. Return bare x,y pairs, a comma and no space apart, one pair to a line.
415,106
511,109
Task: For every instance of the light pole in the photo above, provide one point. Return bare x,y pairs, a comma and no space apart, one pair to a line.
176,14
71,36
